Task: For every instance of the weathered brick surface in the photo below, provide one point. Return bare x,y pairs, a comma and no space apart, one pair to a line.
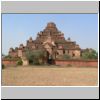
88,63
9,62
52,40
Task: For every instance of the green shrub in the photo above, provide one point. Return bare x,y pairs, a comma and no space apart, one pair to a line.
65,57
20,62
36,63
35,57
3,66
90,55
69,65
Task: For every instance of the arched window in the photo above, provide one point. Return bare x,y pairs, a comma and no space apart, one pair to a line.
73,54
63,51
68,51
57,53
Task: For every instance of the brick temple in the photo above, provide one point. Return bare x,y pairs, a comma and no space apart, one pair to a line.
52,40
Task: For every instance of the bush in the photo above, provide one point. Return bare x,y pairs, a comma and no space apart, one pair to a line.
35,57
36,62
69,65
20,62
90,55
65,57
8,56
3,66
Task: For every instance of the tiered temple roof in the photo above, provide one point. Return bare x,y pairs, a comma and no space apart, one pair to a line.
51,35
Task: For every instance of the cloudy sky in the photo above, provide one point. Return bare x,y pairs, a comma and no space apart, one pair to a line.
17,28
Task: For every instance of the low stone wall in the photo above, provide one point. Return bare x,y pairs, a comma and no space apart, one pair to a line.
80,63
9,62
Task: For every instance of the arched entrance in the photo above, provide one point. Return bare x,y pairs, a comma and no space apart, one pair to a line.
50,59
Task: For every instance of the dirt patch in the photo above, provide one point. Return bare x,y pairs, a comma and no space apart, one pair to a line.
46,76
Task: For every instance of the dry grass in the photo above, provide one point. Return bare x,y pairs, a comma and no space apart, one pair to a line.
33,76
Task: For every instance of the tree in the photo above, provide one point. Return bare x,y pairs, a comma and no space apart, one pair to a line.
20,62
8,57
90,54
64,57
35,56
3,66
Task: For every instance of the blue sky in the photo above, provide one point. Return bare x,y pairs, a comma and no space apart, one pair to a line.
17,28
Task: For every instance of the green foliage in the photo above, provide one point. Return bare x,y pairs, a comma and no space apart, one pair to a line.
36,56
69,65
90,55
8,57
64,57
3,66
20,62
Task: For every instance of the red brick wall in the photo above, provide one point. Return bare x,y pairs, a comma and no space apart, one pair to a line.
9,62
88,63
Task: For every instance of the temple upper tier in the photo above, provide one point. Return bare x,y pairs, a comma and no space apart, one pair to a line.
52,40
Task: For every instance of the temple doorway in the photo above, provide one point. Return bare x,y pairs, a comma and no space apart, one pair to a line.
50,59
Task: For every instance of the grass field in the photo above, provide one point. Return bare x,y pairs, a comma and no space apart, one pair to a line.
49,76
